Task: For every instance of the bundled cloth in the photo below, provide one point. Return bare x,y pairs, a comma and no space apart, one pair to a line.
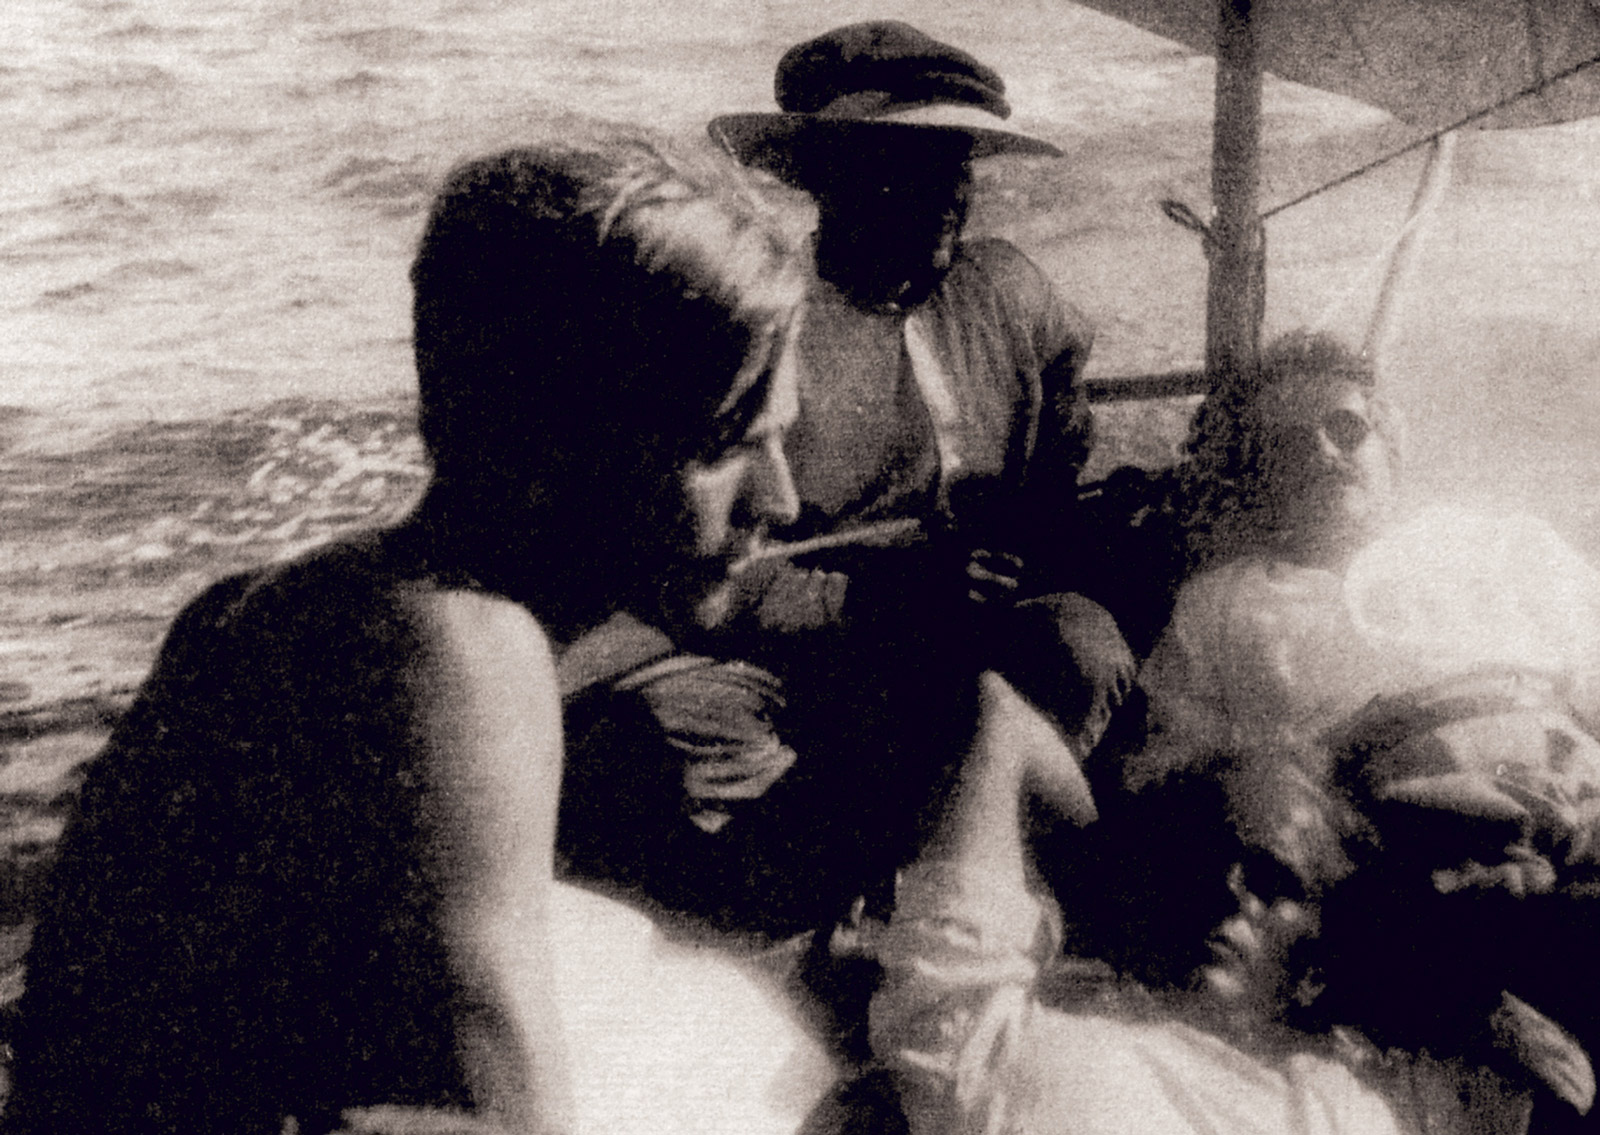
1468,919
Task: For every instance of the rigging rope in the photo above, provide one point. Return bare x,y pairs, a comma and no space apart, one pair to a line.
1183,215
1409,147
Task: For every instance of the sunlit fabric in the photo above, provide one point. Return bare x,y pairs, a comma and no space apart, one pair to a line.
1473,591
1263,653
667,1038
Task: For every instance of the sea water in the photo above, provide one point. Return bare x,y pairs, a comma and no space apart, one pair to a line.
207,211
208,207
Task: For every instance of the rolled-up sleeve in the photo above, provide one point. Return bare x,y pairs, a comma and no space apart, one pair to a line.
960,960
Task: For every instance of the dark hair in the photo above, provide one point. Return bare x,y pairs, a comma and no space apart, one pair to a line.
1223,488
577,302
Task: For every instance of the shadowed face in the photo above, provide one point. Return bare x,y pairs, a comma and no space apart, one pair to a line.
889,217
735,494
601,337
1328,472
741,485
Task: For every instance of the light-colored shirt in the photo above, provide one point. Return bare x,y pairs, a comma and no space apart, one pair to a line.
1262,653
975,1051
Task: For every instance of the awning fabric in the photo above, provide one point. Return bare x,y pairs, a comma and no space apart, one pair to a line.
1430,62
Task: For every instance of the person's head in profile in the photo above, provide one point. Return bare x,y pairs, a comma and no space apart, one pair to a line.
601,331
880,123
1301,460
287,884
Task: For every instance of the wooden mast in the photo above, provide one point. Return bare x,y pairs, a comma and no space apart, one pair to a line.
1236,284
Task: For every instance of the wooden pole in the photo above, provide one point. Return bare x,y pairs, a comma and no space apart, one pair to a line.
1236,287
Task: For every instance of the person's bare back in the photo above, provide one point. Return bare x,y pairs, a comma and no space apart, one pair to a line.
311,871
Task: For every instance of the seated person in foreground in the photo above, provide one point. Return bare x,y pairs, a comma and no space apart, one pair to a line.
1387,715
313,869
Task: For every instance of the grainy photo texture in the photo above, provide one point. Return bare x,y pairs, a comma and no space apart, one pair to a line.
581,568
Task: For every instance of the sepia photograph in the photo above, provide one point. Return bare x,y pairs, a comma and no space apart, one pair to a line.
747,567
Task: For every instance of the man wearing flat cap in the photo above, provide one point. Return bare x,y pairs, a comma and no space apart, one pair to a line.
937,375
934,457
937,397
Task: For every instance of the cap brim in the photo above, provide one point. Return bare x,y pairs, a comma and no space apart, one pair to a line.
764,140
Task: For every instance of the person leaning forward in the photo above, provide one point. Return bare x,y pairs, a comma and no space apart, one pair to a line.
935,449
312,869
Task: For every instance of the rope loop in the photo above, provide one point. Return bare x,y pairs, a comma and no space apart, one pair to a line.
1181,214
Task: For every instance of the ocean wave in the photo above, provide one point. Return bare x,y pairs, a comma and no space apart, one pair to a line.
380,44
132,277
361,82
131,509
89,214
116,76
186,201
67,293
383,180
153,268
140,29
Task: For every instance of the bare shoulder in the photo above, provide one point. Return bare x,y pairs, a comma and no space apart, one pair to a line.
349,613
476,643
452,615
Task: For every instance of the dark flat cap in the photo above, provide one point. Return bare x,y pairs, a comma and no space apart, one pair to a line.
880,75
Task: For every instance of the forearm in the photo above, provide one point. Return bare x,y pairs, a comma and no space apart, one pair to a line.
981,825
960,952
950,1017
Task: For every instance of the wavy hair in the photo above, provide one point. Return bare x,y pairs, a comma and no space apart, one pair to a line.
1226,509
578,301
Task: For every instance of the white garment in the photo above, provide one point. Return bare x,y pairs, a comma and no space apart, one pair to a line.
1262,654
976,1053
673,1039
